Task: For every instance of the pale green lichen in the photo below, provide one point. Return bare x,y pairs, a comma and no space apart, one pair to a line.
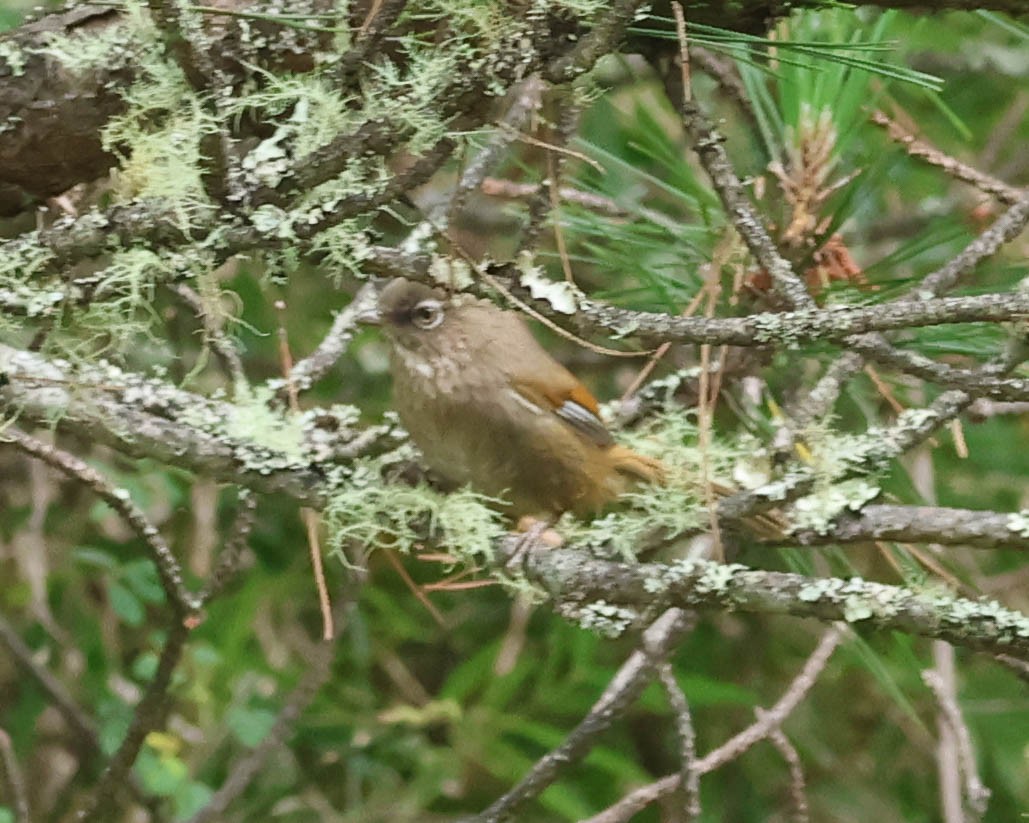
88,50
407,95
715,578
13,55
650,514
364,509
157,138
581,9
450,273
253,419
818,589
161,159
318,112
856,608
22,261
819,510
1018,522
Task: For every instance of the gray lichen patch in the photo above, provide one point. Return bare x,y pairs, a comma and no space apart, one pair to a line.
818,510
601,617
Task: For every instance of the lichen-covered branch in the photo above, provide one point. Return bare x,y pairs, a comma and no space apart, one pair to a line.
581,584
707,142
767,329
974,381
961,171
150,418
923,524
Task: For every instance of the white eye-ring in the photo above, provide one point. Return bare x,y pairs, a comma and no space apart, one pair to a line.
428,314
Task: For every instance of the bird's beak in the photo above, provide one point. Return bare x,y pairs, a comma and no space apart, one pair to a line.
369,317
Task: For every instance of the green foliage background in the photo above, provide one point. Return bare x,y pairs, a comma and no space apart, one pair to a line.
417,723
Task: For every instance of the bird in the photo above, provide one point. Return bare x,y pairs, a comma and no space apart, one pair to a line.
491,409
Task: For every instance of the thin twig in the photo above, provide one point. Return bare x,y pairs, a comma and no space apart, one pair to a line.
381,16
309,516
684,53
707,143
80,724
659,640
14,779
247,768
724,72
1004,229
512,190
223,346
689,777
1020,668
977,796
526,103
601,39
414,588
774,717
228,559
305,373
169,571
798,793
951,165
948,766
765,725
148,716
984,408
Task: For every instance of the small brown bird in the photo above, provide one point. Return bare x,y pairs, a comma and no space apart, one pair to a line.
489,407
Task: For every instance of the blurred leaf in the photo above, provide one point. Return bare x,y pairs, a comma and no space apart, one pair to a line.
125,604
141,576
114,717
144,667
91,556
190,799
160,774
250,725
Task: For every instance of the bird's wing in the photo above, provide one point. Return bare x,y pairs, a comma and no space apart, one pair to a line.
534,375
566,397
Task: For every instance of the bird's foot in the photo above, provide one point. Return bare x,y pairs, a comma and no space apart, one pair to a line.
533,533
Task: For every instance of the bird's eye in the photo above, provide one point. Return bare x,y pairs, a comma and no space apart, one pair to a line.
428,314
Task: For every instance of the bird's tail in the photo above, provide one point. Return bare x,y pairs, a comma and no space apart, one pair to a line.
638,466
768,525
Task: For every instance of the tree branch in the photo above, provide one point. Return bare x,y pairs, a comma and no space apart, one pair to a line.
575,579
921,524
